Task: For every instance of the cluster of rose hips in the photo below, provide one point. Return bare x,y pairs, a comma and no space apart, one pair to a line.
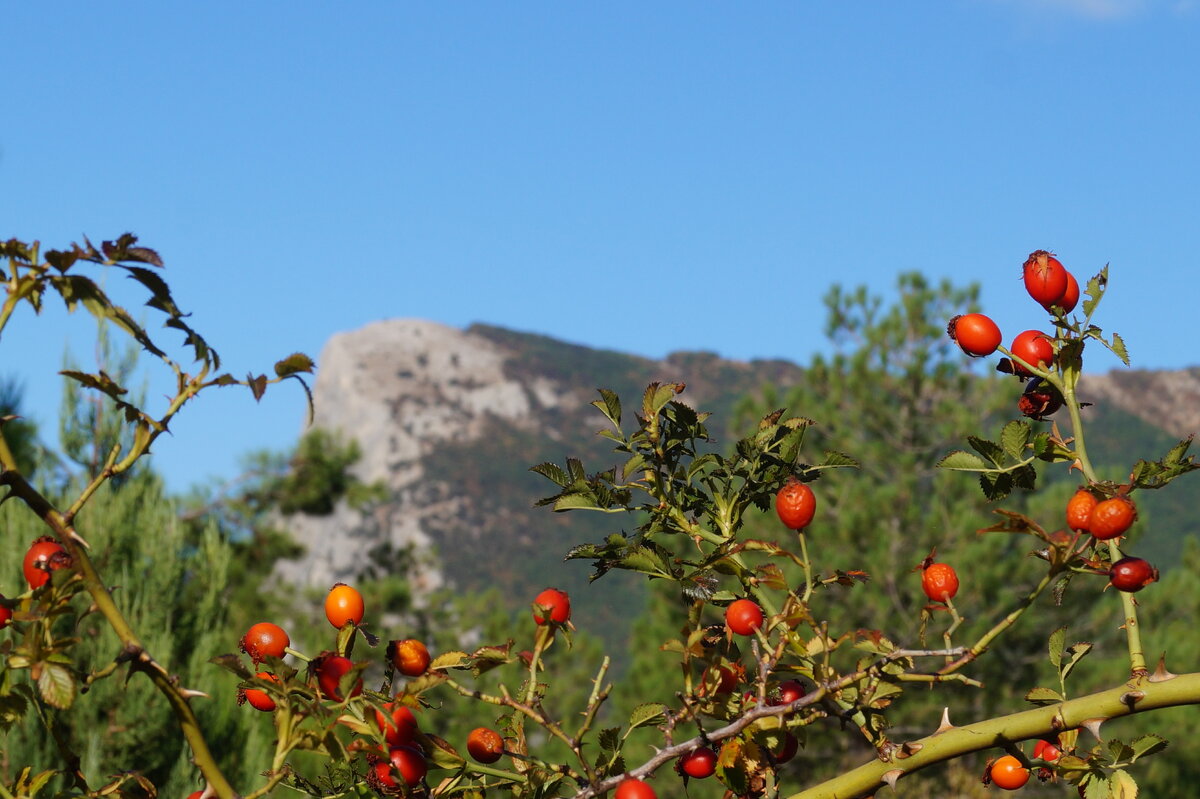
1103,517
401,761
1055,289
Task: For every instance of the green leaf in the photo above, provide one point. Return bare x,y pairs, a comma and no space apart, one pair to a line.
101,382
1122,786
645,560
962,461
609,404
647,713
1146,745
442,754
1094,291
234,664
835,460
56,685
258,385
1043,696
610,739
988,449
575,502
1118,349
552,472
450,660
293,364
1077,652
657,396
1014,437
1057,641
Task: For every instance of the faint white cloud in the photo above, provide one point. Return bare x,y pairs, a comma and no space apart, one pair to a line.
1091,9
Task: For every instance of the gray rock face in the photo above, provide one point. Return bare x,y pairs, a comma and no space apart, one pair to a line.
400,388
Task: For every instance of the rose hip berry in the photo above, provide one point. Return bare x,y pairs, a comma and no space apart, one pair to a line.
787,692
976,334
1079,510
1045,277
329,670
1111,518
1070,297
265,640
1008,773
939,581
699,763
258,698
1047,750
556,602
743,616
485,745
795,504
399,726
631,788
344,605
1035,348
410,657
44,556
1131,574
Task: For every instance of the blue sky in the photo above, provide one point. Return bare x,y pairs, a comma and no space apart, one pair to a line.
307,168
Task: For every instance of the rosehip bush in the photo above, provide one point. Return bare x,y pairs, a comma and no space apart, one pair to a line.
765,662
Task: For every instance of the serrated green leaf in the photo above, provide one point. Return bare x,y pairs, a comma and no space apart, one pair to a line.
1075,652
56,684
656,398
1014,437
834,459
1118,751
1056,643
962,461
1043,696
1118,349
1146,745
995,486
988,449
1121,785
646,713
645,560
610,739
575,502
610,405
295,363
552,472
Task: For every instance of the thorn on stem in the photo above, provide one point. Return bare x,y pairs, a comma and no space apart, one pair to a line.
1093,726
945,725
1161,674
891,777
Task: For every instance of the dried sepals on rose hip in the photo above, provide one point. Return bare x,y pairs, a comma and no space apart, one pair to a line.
1039,400
1045,278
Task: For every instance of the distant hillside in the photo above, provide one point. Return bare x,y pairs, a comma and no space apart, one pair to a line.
451,420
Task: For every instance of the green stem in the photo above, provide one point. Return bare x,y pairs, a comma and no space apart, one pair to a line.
1135,697
1009,620
1133,631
